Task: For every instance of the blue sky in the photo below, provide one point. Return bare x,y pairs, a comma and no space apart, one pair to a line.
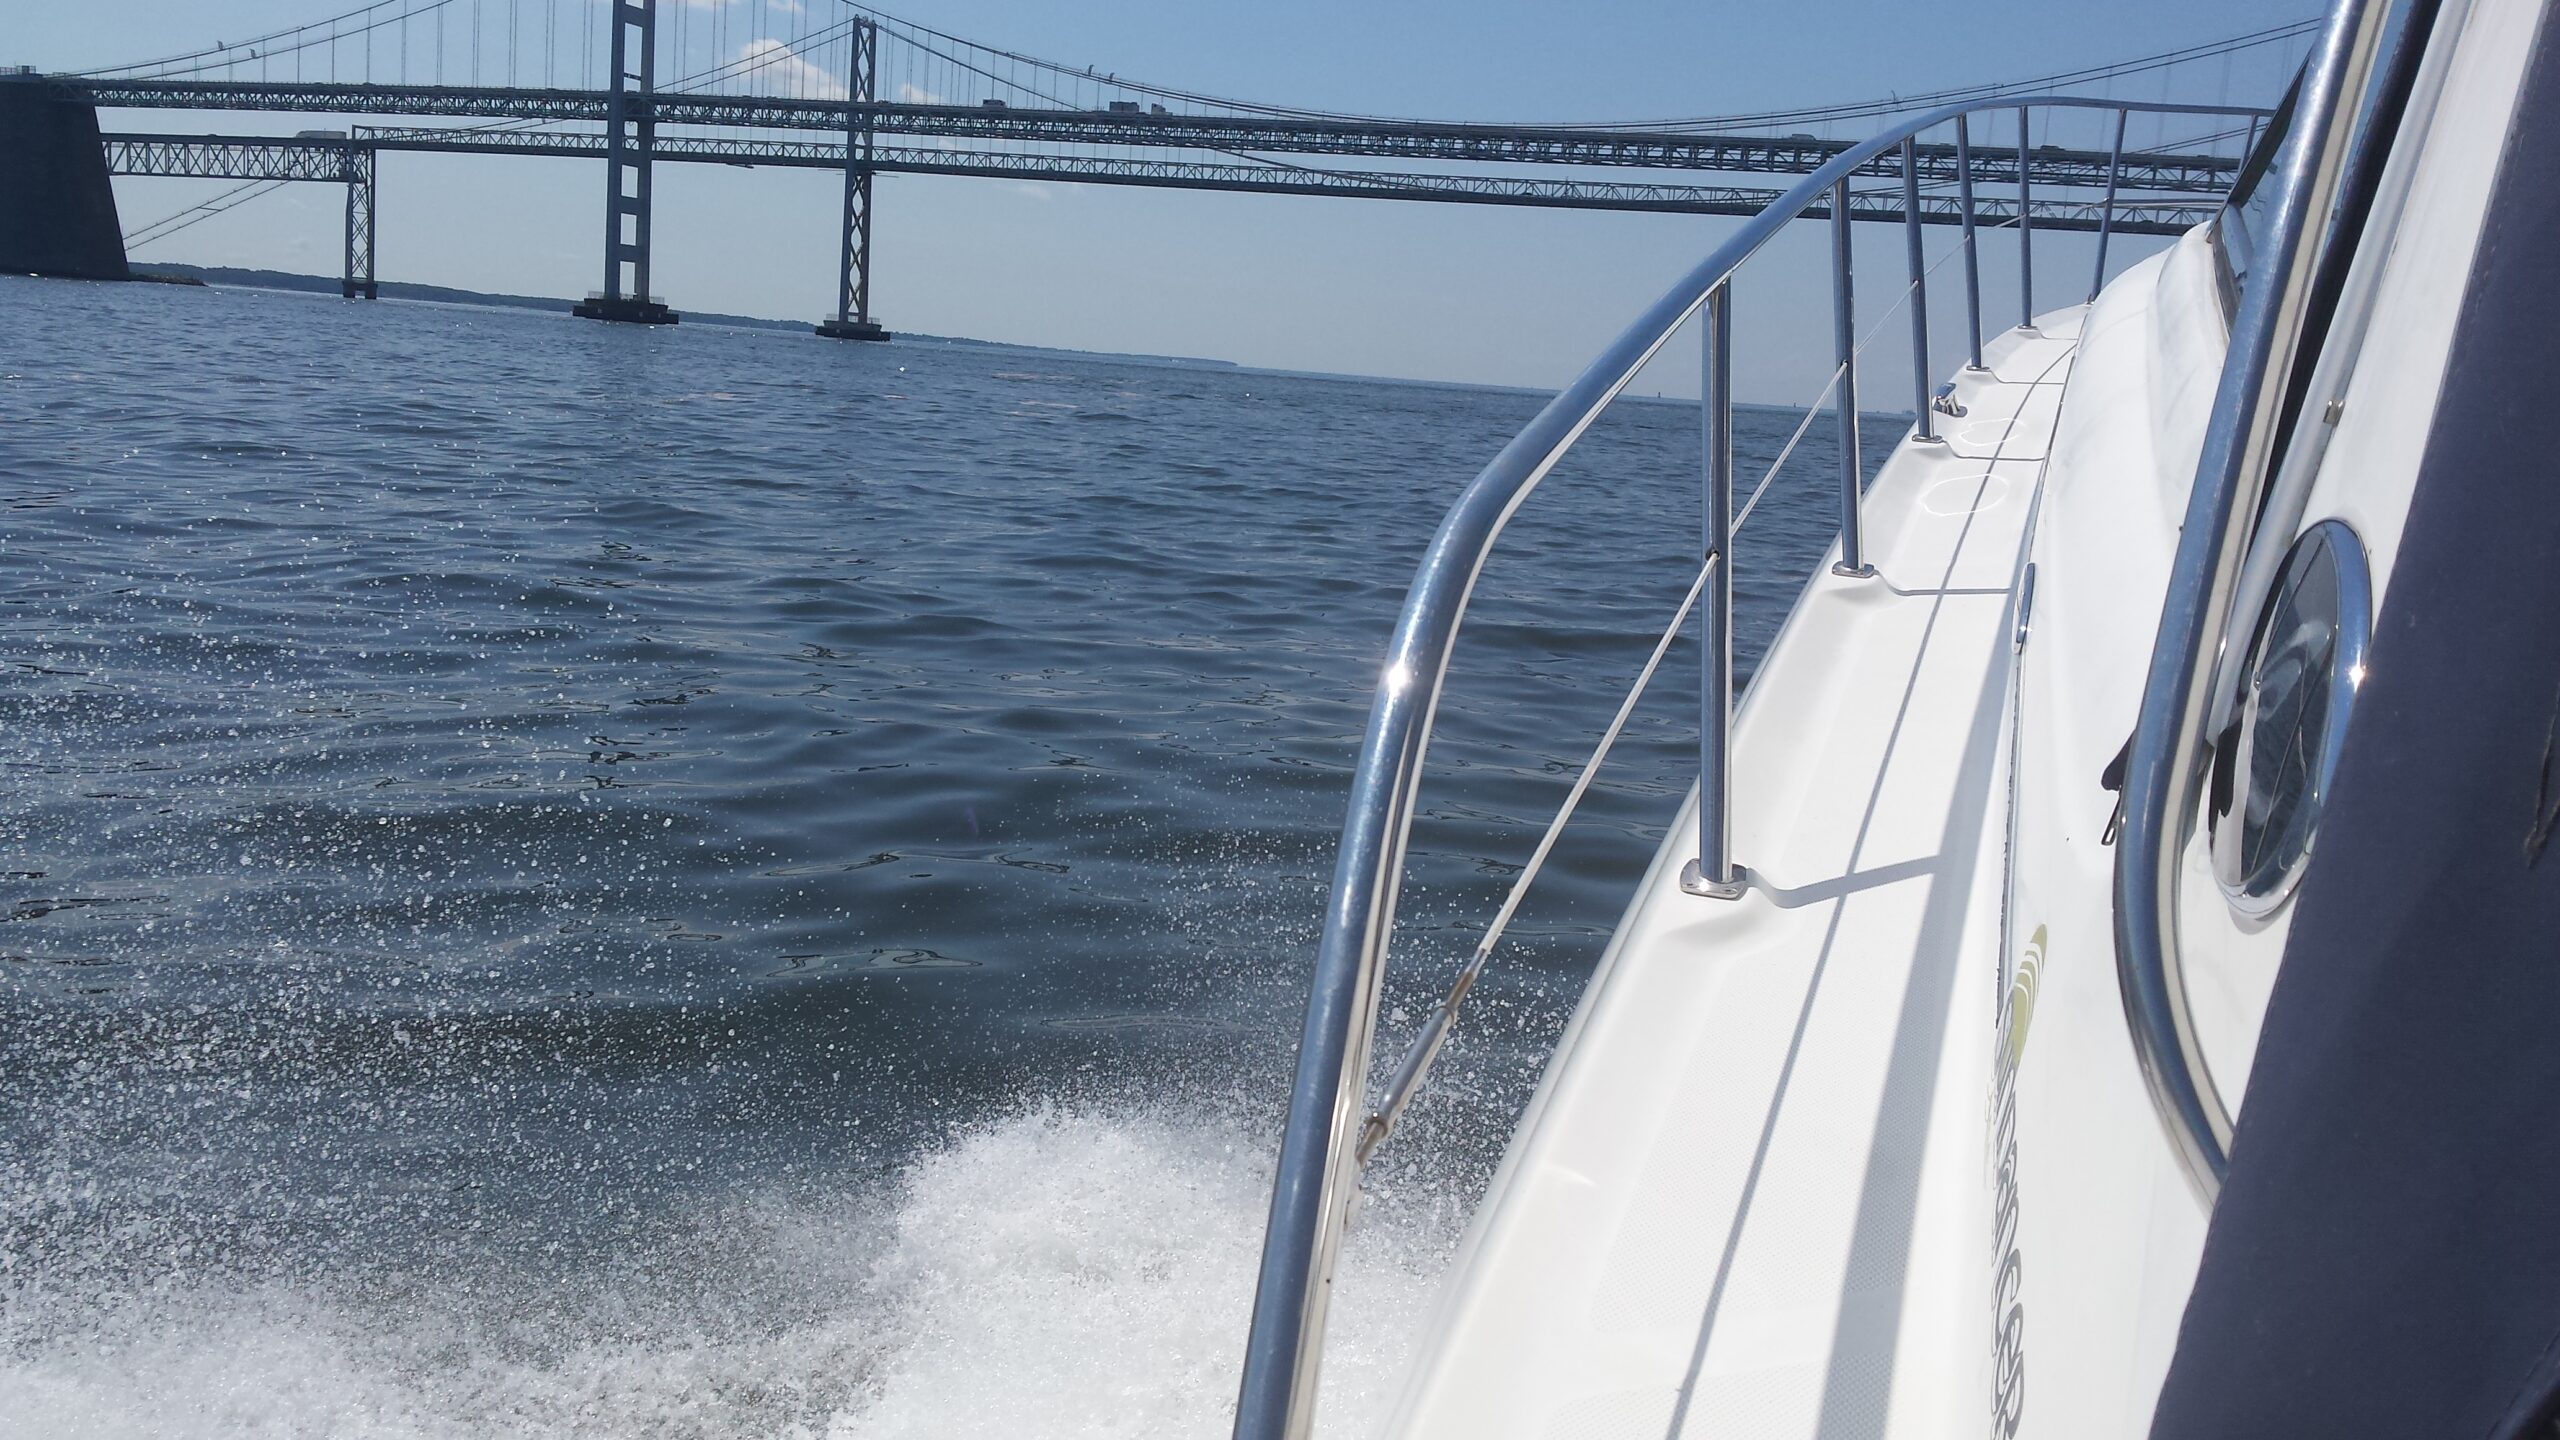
1468,293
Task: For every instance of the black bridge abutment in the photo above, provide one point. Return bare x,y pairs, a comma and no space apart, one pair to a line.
57,206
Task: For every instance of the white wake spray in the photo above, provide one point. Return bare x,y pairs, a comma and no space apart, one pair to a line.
1060,1271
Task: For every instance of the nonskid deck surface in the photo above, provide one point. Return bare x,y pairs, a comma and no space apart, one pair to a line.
1749,1198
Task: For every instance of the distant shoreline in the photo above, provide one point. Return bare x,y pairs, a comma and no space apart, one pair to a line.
448,295
254,279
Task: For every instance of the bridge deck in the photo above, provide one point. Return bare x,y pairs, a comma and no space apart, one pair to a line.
2187,173
254,157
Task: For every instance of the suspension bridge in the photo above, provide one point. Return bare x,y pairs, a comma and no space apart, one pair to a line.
862,94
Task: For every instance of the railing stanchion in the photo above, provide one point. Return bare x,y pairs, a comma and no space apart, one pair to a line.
1972,259
1714,874
1924,429
1844,334
2026,231
2107,215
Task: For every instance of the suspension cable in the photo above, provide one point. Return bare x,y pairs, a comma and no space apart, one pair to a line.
219,56
2141,64
171,224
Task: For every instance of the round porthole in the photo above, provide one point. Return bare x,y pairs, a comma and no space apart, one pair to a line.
2274,766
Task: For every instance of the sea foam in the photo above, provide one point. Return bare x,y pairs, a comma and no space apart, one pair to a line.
1060,1270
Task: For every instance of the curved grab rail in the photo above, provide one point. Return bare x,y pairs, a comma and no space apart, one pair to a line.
1318,1168
2164,767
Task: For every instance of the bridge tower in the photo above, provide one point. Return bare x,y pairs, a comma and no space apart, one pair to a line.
631,139
853,274
357,280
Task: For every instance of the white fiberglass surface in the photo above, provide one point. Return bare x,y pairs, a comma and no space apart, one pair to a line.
1868,1153
2102,1233
2108,1232
1749,1197
2382,386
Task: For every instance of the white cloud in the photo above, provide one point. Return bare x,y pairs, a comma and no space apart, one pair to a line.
911,95
778,69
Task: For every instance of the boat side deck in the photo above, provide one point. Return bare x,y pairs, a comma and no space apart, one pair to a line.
1749,1197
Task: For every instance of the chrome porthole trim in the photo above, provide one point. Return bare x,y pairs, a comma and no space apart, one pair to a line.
2275,764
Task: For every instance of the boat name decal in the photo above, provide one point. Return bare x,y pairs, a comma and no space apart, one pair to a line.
2008,1310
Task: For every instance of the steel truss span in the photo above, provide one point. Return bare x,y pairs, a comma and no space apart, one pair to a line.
245,158
297,158
2181,173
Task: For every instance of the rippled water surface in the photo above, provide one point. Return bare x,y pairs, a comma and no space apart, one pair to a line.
562,879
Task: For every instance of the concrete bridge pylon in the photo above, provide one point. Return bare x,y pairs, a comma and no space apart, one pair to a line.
57,206
631,137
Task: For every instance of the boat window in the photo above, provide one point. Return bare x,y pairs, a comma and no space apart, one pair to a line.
2273,767
2239,231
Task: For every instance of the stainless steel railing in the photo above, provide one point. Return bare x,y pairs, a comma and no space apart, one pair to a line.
1330,1129
2325,173
1410,1072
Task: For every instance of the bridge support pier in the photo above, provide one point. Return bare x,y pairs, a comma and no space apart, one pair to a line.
631,138
357,281
57,208
852,320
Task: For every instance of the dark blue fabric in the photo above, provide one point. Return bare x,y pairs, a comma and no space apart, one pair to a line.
2385,1258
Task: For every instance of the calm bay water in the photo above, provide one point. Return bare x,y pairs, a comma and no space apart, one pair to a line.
562,879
